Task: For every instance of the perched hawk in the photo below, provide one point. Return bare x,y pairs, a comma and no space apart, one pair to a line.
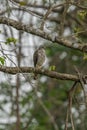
39,58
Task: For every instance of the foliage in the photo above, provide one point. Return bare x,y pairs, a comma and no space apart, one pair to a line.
2,60
11,40
26,104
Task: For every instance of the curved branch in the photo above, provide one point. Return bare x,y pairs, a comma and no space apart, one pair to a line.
41,33
51,74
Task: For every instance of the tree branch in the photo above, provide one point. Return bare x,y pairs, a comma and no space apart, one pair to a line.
45,35
51,74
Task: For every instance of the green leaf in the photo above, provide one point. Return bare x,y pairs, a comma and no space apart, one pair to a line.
10,40
85,56
2,60
22,3
82,14
53,67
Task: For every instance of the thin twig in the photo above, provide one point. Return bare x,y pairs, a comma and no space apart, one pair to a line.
82,84
46,16
66,6
70,96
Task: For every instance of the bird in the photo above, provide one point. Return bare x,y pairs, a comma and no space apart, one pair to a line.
39,58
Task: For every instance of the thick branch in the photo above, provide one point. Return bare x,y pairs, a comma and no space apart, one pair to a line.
51,74
45,35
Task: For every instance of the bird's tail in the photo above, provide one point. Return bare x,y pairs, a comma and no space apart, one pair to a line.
35,76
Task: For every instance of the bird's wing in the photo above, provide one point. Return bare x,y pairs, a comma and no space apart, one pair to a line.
35,58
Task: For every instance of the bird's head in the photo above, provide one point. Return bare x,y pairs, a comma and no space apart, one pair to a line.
41,47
